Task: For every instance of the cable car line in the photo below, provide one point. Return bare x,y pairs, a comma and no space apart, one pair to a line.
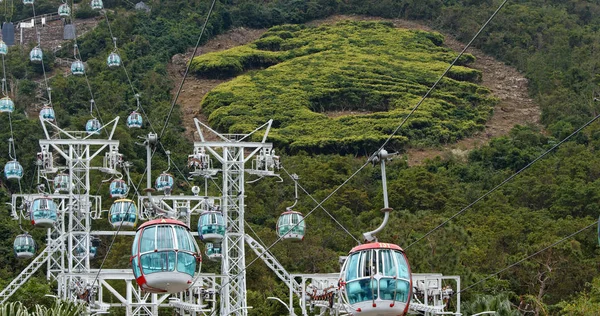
320,206
139,105
418,103
529,257
13,169
136,193
443,74
506,180
78,68
111,243
37,32
255,234
187,69
122,64
267,249
179,92
136,94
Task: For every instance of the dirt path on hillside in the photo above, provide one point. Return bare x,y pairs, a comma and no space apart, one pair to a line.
506,83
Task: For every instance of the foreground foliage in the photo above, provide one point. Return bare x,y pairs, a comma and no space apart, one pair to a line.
368,68
58,308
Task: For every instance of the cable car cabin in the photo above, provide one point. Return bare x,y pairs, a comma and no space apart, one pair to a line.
134,120
377,280
93,126
291,225
211,226
61,183
77,68
164,182
36,54
118,189
3,48
165,256
7,105
13,170
113,60
97,5
213,251
24,246
43,212
80,252
47,113
123,213
27,1
64,10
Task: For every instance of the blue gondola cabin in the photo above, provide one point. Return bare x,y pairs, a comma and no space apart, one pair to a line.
24,246
43,212
123,213
164,256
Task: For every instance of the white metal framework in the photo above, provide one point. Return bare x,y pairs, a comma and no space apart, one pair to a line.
67,253
233,151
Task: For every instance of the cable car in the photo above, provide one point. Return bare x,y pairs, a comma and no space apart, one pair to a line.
80,252
93,126
64,10
3,48
377,280
7,105
13,170
43,212
134,120
36,54
61,183
213,251
24,246
97,5
27,1
123,213
291,225
47,113
113,60
118,188
211,226
165,256
77,68
164,182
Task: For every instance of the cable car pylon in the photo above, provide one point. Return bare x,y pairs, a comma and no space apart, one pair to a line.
233,151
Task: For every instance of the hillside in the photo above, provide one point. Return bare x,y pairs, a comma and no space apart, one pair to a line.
549,210
367,67
506,84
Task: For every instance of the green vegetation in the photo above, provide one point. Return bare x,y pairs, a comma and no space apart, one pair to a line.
368,67
58,308
555,43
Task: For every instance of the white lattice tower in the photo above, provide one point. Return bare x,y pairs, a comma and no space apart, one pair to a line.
233,151
71,265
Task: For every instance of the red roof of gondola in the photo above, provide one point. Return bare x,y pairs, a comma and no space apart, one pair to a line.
163,221
376,245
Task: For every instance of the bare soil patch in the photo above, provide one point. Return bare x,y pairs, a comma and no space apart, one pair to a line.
194,89
505,82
